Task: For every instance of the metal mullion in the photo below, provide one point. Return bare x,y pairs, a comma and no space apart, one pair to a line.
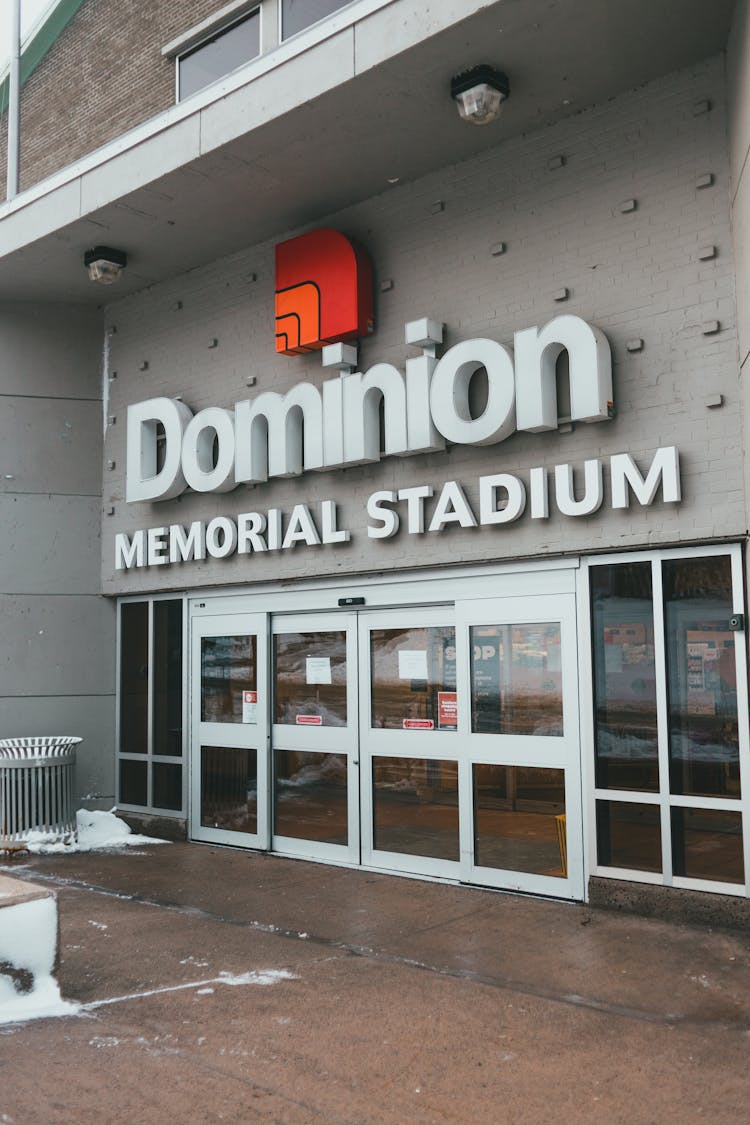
717,804
150,705
629,796
743,715
586,733
709,886
662,718
628,874
118,699
185,757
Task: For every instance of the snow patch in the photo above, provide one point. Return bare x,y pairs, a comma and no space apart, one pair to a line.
96,830
28,947
261,976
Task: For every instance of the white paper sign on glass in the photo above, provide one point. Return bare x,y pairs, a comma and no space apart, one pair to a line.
412,664
318,670
249,706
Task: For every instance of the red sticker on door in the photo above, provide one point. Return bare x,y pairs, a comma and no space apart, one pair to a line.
309,720
418,724
447,710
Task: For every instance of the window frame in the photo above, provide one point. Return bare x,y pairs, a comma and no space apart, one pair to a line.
316,23
663,798
149,757
213,28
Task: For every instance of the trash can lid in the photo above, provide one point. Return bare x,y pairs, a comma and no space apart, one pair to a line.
48,746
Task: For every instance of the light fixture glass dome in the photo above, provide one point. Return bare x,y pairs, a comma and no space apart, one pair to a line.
479,94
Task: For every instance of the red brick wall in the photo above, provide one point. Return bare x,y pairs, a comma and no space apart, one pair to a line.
103,76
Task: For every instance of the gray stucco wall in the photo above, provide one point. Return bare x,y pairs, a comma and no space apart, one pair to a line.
636,273
57,654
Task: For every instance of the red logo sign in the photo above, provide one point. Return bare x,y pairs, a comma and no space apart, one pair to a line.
309,720
418,724
323,291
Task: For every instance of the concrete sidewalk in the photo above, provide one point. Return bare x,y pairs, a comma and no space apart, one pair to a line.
403,1001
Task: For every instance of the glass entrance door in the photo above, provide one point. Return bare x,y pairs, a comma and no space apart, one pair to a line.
439,741
410,746
314,736
520,775
229,792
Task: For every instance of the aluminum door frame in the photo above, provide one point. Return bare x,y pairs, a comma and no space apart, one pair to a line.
434,744
233,735
545,752
337,740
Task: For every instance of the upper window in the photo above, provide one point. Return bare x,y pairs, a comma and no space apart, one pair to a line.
221,53
296,15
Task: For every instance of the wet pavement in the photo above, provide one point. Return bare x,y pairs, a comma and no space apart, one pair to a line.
229,986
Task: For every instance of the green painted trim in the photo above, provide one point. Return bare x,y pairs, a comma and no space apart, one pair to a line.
47,35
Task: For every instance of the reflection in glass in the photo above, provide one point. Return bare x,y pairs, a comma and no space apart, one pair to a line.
624,677
134,679
415,807
219,55
310,794
516,679
414,678
299,14
519,819
133,782
166,780
167,731
628,835
228,667
702,677
707,844
229,789
310,679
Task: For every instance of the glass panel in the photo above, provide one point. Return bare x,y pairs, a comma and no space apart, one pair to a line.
415,807
627,755
516,679
707,844
134,679
229,789
223,53
414,678
519,819
311,796
310,679
166,785
167,733
628,835
133,782
701,677
299,14
228,670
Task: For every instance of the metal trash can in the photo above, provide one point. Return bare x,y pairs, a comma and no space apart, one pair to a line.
36,788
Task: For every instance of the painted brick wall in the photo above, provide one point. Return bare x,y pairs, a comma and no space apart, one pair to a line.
635,274
103,76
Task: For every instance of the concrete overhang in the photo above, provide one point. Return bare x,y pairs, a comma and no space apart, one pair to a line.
328,119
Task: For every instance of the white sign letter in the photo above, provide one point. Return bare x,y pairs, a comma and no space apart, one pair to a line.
590,360
142,480
449,393
664,470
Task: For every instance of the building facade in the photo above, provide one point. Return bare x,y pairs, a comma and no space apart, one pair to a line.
455,587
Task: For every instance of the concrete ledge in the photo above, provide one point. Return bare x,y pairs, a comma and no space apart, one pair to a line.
14,891
671,904
163,827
